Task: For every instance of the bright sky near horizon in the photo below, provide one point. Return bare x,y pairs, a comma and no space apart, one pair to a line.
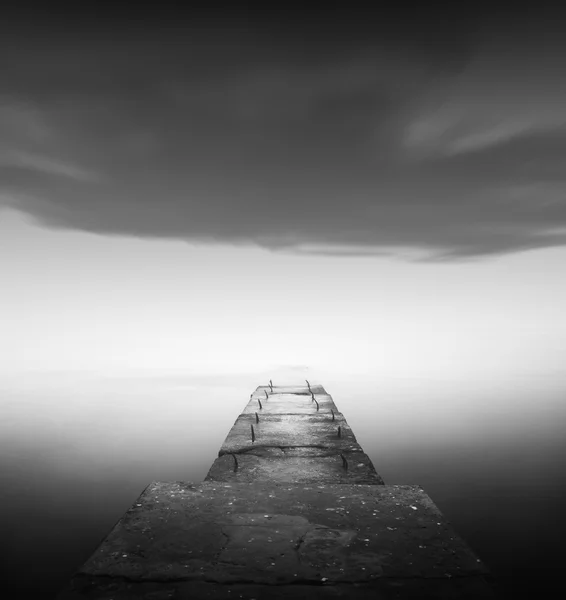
75,301
210,193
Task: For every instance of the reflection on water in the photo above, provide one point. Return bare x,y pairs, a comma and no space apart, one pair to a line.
76,452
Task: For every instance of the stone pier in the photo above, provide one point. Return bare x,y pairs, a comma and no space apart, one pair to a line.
291,508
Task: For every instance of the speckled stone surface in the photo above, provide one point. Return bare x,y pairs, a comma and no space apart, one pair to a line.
294,510
279,535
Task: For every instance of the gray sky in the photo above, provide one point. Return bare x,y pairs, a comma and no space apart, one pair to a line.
344,134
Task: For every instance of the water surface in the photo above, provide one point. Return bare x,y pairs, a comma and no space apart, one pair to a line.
76,451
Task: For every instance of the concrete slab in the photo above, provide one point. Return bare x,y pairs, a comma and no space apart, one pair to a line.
286,409
294,511
209,540
313,430
86,587
294,465
289,404
291,389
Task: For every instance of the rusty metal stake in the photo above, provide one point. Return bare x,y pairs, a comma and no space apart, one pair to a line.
266,395
271,385
339,431
256,418
317,406
344,462
308,384
235,462
260,406
312,396
333,418
253,433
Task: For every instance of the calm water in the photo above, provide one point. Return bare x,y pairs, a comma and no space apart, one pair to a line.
75,452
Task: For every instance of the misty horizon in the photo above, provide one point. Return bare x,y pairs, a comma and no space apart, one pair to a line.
194,201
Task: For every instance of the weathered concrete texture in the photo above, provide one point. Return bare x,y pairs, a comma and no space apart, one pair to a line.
222,540
294,465
283,401
99,588
292,434
291,508
315,431
290,389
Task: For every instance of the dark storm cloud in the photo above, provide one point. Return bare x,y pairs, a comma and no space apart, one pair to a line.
346,136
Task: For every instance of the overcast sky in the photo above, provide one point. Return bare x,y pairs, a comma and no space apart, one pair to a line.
340,132
233,151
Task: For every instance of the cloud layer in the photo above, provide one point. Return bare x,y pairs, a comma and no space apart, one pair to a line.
448,144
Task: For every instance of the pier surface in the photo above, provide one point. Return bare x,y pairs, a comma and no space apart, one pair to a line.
292,508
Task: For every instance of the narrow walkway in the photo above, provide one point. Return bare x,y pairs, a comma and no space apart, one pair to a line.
291,508
295,435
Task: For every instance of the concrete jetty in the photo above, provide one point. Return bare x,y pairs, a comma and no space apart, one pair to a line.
291,508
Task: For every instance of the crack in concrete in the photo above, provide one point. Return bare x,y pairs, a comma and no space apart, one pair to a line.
204,578
297,546
302,564
252,449
226,542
